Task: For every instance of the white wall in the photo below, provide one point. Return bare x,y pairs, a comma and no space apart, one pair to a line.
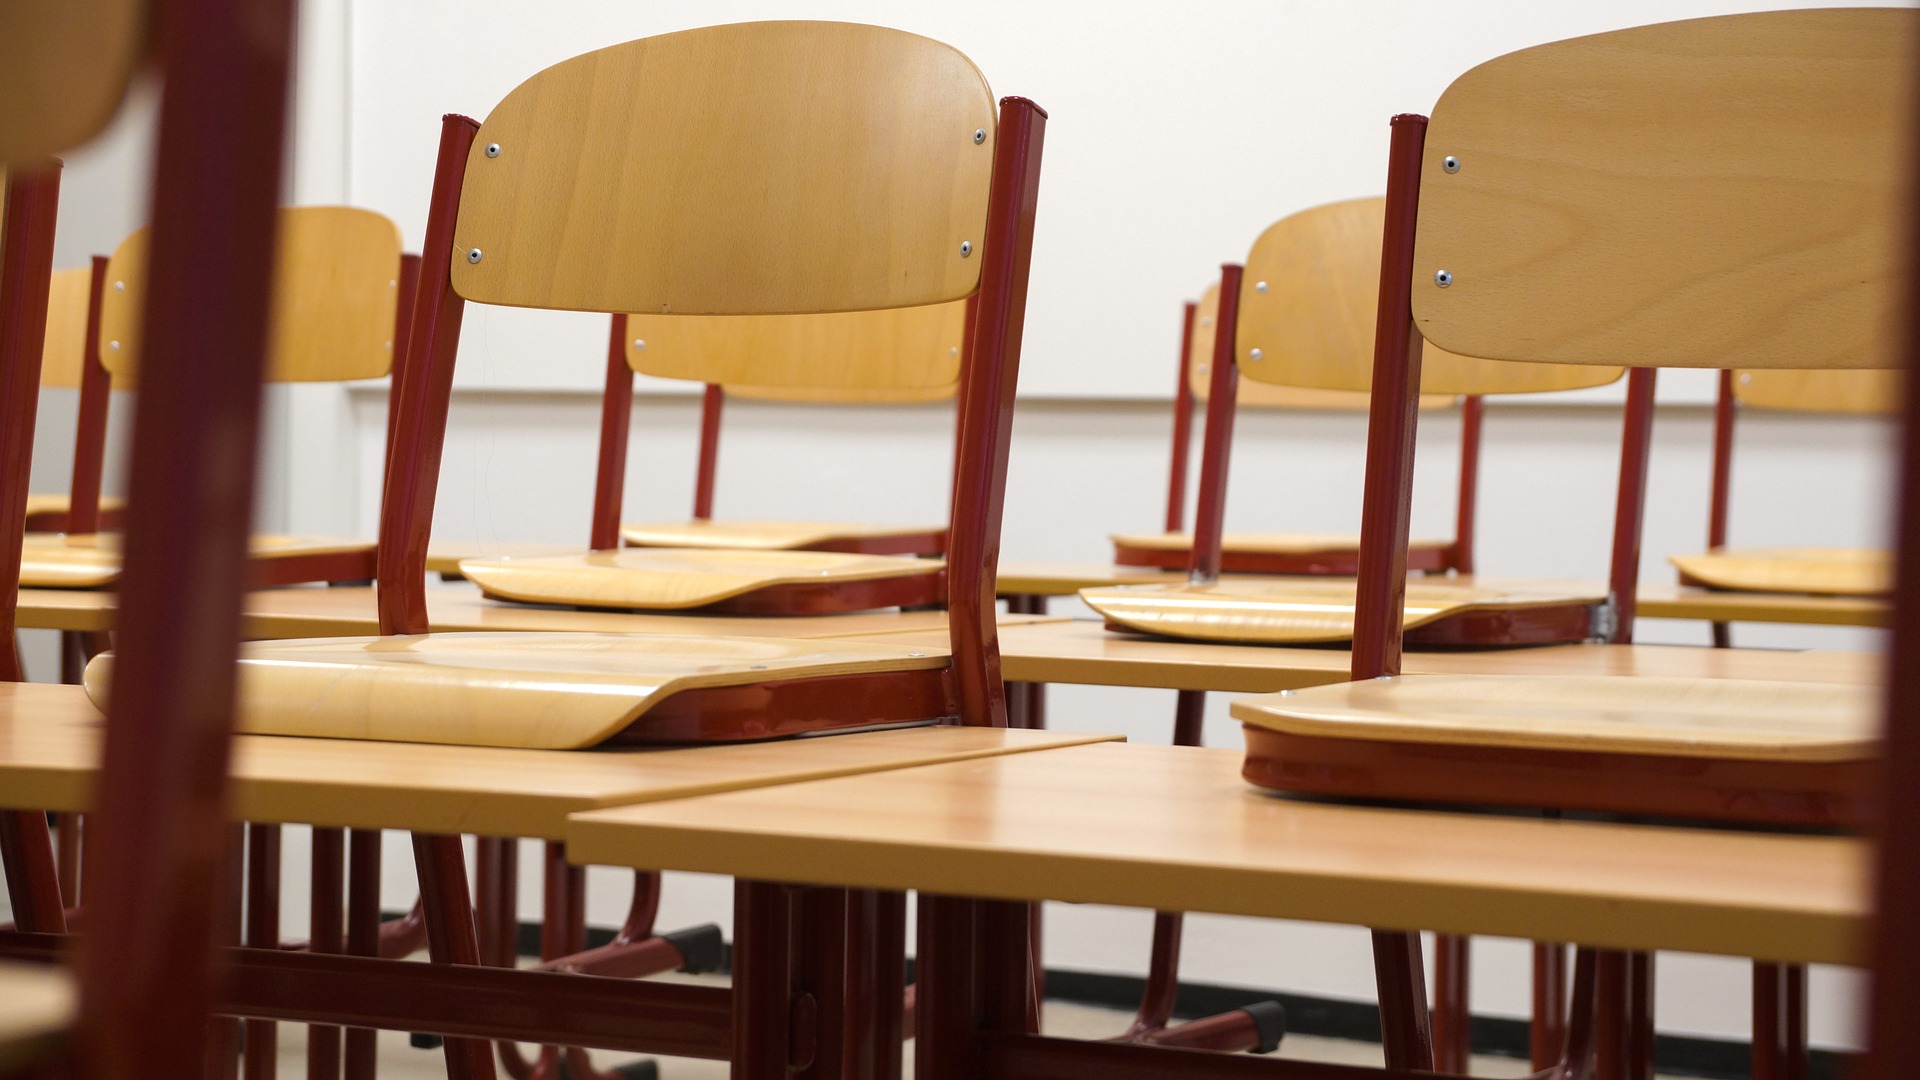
1177,132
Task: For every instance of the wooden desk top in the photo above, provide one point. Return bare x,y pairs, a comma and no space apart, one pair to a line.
1067,579
1683,602
1083,651
1176,829
349,612
36,1009
49,752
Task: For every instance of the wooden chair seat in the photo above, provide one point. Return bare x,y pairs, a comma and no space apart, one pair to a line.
92,560
739,582
37,1006
1270,553
1817,571
790,536
48,513
1307,611
1748,750
561,691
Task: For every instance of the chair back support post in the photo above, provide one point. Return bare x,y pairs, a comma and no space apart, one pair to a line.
1630,505
1722,495
90,438
160,824
986,420
960,412
1466,505
423,389
1216,446
1393,414
616,419
1893,1039
1182,425
26,272
409,282
712,400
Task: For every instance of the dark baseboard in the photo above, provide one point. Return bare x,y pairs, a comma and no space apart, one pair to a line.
1674,1055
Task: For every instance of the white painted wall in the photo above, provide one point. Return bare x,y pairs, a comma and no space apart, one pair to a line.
1176,134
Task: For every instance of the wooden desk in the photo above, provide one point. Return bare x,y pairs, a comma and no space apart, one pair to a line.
36,1009
1176,829
1067,579
1083,651
49,752
349,612
1683,602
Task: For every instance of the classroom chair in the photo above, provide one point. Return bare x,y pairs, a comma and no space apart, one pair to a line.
339,278
145,972
955,221
1300,320
1285,553
1813,571
1581,202
902,356
71,361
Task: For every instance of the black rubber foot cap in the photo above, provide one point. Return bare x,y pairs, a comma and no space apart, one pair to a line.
425,1042
701,946
1270,1021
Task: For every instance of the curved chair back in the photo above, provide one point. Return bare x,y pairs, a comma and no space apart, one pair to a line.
902,354
783,168
1862,392
336,278
64,69
1720,192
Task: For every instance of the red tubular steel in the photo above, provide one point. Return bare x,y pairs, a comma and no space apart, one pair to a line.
1182,424
1722,496
325,925
1630,509
451,936
1216,446
1547,1036
712,400
1640,1016
762,978
1794,1023
1576,1058
146,966
1611,1004
67,834
1392,417
363,937
616,418
1228,1032
1767,999
825,942
1452,1011
223,1037
1405,1031
1033,1057
406,288
986,422
1163,977
26,268
413,462
1472,415
90,427
876,962
960,409
263,932
946,993
405,935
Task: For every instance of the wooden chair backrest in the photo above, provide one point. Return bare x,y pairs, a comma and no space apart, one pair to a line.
65,350
64,68
1719,192
1254,394
901,354
1308,303
1867,392
336,278
878,201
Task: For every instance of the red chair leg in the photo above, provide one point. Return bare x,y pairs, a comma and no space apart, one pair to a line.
325,934
223,1041
1611,1025
876,966
1452,1011
451,937
1405,1032
263,932
1547,1036
1640,1015
33,881
363,938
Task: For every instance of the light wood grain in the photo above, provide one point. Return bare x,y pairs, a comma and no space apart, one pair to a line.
1176,829
1067,579
64,68
1716,605
92,560
1817,571
1866,393
838,357
334,295
1257,543
843,396
847,180
64,355
1084,652
349,611
527,691
1301,611
443,556
37,1006
1730,719
759,535
1255,394
50,752
675,578
1710,193
51,503
1309,300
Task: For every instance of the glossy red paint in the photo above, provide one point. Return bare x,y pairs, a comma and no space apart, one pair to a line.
262,1054
90,426
1182,425
1547,1034
326,921
1392,418
1630,508
451,936
1452,1004
26,268
712,402
788,707
1216,446
1424,558
616,417
406,289
1466,507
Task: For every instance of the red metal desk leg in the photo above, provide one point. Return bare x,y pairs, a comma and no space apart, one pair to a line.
263,932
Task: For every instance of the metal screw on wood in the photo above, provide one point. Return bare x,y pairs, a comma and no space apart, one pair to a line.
966,248
1443,278
639,343
1259,286
1450,163
979,135
493,149
473,255
1254,354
